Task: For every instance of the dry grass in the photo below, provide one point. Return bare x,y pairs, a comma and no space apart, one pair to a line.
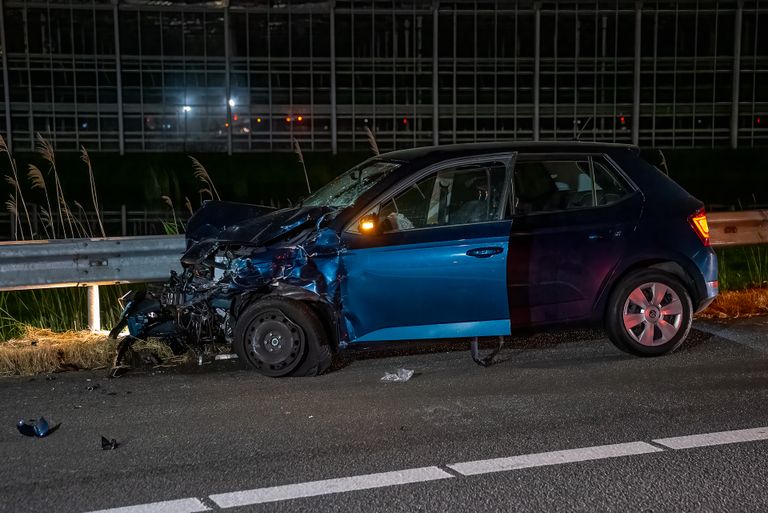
734,304
41,351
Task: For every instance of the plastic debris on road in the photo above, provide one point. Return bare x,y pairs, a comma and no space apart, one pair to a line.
108,444
401,375
39,428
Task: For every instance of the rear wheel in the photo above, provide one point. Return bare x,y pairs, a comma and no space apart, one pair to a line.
281,337
649,313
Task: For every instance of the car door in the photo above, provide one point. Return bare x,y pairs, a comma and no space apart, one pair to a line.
572,218
437,267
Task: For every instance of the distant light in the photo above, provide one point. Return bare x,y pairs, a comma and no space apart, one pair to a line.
231,102
405,121
758,120
258,120
287,119
235,117
226,125
84,124
622,120
186,108
300,119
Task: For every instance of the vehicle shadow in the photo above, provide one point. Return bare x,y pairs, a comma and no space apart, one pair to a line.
513,347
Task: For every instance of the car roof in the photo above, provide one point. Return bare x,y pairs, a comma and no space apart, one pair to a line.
450,151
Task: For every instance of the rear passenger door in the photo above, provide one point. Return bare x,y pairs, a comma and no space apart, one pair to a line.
571,216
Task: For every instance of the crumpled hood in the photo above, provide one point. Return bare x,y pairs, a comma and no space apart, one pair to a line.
224,221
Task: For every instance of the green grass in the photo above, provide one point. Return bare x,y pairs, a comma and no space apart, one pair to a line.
57,309
743,267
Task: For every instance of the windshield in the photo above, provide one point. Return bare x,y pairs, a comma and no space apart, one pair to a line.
344,190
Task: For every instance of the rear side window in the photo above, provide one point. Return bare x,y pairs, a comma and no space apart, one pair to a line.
608,187
564,184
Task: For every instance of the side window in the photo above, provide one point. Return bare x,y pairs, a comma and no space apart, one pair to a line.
608,187
549,185
458,195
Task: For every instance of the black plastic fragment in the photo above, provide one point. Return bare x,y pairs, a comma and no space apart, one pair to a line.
108,444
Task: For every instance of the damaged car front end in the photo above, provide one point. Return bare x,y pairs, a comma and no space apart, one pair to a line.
262,280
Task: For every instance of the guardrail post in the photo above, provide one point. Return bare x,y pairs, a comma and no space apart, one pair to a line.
123,221
94,308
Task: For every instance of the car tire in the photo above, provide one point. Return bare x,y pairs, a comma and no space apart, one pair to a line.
280,337
649,313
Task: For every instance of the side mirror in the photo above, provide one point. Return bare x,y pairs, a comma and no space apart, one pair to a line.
369,225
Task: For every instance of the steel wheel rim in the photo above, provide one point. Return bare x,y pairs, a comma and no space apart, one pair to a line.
275,343
652,314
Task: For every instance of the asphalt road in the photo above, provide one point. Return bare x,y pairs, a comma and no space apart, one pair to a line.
197,439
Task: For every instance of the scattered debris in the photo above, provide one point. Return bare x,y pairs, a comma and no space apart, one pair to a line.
108,444
490,359
39,428
230,356
135,353
93,387
401,375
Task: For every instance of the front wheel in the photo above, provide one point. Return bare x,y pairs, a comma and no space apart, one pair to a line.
281,337
649,313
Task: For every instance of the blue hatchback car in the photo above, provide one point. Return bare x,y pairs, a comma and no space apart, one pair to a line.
439,243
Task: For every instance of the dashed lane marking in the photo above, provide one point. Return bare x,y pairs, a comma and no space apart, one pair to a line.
329,486
720,438
424,474
176,506
471,468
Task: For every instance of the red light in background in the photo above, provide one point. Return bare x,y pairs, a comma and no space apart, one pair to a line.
622,120
758,120
234,117
405,121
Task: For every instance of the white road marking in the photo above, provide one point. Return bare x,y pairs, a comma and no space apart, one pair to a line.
471,468
178,506
423,474
328,486
720,438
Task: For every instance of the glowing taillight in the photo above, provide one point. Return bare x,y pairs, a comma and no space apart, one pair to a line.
699,224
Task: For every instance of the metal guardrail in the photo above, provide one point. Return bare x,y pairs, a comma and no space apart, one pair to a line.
89,262
79,262
113,260
738,228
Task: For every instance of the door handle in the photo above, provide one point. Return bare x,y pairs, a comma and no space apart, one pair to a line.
484,252
612,233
